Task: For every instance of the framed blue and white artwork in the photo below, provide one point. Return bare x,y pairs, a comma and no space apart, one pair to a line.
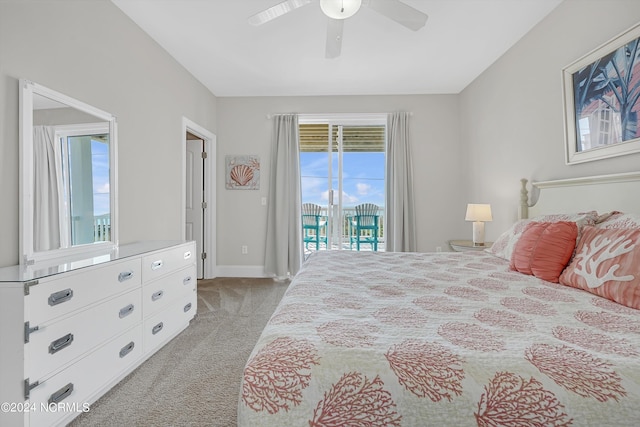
601,92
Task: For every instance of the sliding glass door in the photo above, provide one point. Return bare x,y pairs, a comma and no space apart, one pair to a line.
342,165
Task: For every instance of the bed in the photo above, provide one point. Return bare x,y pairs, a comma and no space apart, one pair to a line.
468,338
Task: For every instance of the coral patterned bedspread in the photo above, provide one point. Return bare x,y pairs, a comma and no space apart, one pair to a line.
442,339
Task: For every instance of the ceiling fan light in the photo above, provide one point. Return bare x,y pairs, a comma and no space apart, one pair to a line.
340,9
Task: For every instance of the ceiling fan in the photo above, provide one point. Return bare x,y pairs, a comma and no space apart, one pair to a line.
339,10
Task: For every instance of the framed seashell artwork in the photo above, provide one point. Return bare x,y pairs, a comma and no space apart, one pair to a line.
243,172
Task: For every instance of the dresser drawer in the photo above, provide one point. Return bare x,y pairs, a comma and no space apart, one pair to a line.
161,292
163,262
164,325
75,386
57,297
57,343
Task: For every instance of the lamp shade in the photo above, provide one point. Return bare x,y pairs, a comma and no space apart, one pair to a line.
478,212
340,9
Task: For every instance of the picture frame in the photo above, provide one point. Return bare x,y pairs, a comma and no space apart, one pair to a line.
242,172
601,94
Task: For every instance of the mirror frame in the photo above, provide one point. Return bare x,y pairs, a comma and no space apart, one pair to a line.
26,190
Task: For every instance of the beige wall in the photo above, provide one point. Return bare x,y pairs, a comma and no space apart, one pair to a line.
91,51
243,128
512,115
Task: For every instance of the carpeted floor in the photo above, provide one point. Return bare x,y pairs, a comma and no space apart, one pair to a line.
195,379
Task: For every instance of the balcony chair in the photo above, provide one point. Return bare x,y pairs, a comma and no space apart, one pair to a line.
312,223
363,226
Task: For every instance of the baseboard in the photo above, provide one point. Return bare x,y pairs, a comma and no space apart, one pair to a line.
240,271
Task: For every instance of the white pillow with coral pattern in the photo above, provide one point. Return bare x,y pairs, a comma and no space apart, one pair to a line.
607,263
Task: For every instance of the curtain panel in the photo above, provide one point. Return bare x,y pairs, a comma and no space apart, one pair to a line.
283,254
47,170
399,230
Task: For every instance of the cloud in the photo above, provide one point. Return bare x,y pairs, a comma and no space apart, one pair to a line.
363,189
101,188
313,185
346,198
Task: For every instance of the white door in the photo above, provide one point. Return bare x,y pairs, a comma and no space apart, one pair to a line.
195,203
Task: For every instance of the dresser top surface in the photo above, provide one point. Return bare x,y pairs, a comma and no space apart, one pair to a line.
26,273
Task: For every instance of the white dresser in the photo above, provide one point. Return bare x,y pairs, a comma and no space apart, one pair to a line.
70,331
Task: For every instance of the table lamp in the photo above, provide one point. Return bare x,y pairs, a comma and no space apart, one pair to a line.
478,213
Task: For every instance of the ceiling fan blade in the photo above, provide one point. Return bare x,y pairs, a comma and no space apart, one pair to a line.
334,37
276,11
400,12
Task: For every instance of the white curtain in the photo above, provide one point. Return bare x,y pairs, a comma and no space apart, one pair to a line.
399,230
284,254
47,174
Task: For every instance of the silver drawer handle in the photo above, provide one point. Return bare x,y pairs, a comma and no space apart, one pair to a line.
157,264
187,307
125,275
60,343
127,349
157,328
187,255
186,280
157,295
125,311
61,394
60,297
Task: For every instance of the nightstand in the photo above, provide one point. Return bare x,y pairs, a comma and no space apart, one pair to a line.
467,245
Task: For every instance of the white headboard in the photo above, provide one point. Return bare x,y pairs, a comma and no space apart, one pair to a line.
602,193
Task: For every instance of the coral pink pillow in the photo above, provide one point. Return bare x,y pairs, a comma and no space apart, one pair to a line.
607,263
544,249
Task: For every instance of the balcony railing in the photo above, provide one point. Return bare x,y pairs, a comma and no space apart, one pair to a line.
102,228
340,230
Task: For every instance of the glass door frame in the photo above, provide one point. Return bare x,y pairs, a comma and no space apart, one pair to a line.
334,211
335,220
63,135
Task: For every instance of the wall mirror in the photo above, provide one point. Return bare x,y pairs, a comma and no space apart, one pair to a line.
68,179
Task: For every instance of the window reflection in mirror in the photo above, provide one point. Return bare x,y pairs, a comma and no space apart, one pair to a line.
68,201
85,167
71,177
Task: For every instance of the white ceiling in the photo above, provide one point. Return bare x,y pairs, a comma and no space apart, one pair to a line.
213,40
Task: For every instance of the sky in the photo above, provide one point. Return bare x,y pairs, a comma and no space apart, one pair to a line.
100,159
363,178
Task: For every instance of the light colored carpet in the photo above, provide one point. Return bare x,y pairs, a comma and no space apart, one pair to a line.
195,379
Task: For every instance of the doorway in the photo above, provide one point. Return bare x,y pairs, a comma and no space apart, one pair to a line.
342,165
195,203
198,201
